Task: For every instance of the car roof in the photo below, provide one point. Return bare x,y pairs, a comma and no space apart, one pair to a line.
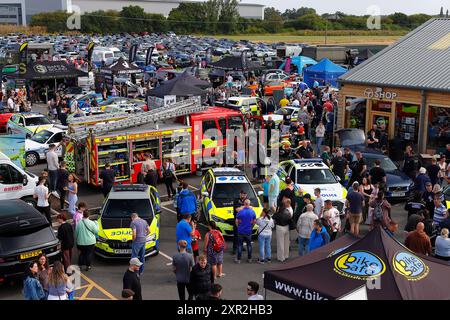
227,172
54,129
129,191
313,163
16,214
31,115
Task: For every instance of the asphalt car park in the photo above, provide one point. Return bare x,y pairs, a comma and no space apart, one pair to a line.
104,280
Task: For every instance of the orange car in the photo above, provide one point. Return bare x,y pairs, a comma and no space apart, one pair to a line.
273,85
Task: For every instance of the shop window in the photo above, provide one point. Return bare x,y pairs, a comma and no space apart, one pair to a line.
355,113
407,121
438,128
381,106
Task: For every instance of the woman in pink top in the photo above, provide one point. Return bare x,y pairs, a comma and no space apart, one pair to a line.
82,207
373,196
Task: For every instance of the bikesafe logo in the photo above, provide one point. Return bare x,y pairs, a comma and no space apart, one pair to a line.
39,68
359,265
410,266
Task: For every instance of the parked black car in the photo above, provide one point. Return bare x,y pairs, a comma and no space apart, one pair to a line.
398,185
24,234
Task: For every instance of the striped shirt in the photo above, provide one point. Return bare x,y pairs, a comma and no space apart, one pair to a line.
439,214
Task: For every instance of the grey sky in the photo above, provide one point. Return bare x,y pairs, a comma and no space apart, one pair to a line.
359,7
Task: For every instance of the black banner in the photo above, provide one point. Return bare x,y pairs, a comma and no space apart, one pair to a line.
90,49
23,51
148,58
132,53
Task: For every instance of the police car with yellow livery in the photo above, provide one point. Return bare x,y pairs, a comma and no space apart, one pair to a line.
309,174
115,235
220,187
28,123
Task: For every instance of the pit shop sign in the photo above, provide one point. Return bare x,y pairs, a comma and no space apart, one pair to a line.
378,93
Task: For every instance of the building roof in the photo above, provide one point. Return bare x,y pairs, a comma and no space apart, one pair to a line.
419,60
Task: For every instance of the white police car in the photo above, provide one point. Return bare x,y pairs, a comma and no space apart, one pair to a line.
308,174
37,146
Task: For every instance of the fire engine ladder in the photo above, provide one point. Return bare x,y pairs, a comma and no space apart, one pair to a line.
178,109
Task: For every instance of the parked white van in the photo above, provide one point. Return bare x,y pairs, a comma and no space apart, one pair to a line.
16,183
102,56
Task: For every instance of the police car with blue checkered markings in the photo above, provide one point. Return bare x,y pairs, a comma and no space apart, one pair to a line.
220,187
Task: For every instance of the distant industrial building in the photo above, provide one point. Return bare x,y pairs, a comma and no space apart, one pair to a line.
20,11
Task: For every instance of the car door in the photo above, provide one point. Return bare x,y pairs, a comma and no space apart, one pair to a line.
207,189
55,139
285,170
154,195
20,128
11,182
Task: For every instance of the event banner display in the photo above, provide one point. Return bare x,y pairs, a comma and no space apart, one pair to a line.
13,146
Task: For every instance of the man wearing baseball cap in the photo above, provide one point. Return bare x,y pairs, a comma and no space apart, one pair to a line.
131,278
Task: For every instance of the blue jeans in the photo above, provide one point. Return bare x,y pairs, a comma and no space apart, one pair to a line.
264,247
303,246
319,141
248,240
138,251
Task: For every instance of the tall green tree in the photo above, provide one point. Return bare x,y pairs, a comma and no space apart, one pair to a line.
229,16
54,21
400,19
294,14
100,21
189,17
133,18
311,22
212,10
273,22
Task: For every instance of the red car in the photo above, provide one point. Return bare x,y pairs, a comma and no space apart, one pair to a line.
4,118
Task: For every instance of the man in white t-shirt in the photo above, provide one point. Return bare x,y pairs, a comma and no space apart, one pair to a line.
318,203
11,104
332,215
252,291
42,195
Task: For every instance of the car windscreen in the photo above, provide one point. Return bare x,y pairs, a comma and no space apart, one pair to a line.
224,194
123,208
73,90
42,137
316,176
21,240
386,163
284,111
235,123
37,121
351,137
447,193
233,102
109,101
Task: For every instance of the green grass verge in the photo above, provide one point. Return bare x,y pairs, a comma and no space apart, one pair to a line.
315,39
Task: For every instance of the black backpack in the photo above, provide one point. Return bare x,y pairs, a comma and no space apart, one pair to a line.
378,211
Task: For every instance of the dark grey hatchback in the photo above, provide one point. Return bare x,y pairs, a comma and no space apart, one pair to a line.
24,234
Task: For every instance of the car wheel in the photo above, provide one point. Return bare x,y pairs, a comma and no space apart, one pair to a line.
31,158
30,201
